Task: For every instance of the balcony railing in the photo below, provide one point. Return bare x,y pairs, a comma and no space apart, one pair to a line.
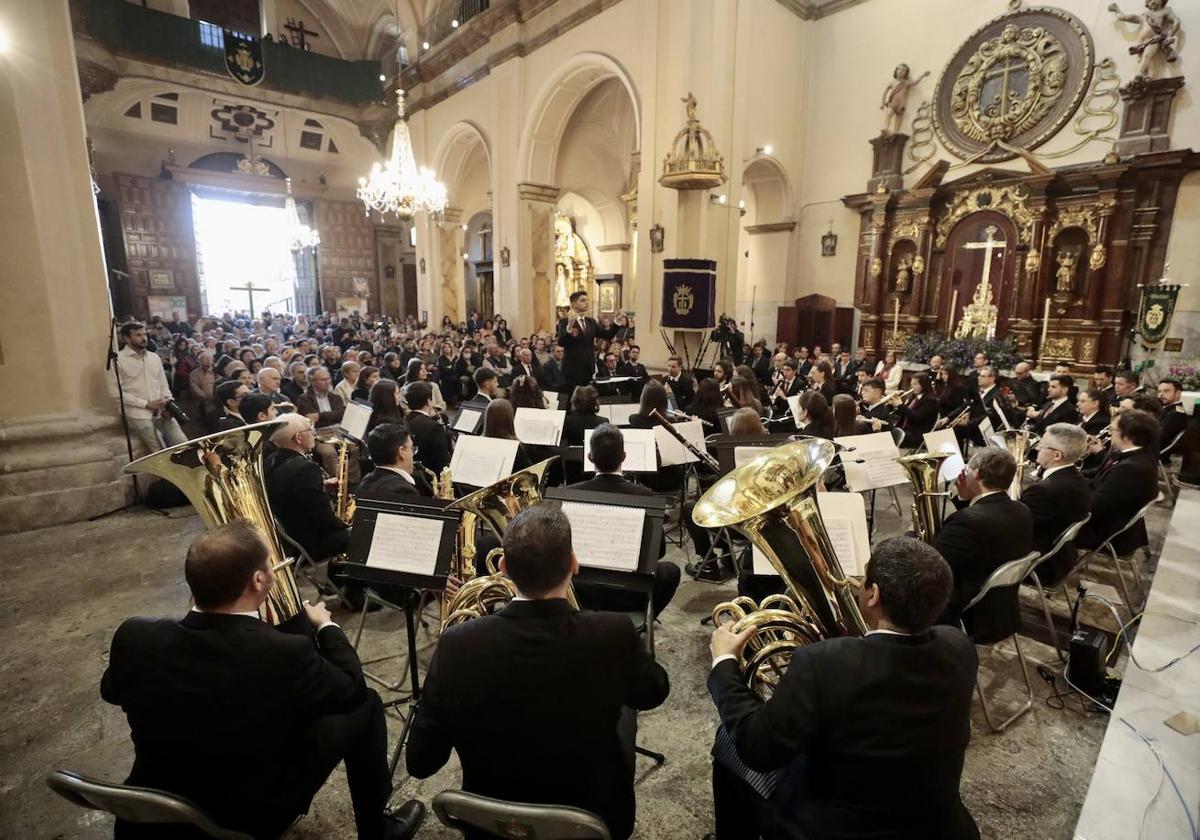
447,19
126,28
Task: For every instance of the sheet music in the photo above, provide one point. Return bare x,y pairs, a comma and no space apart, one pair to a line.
879,468
619,413
945,441
641,452
985,429
482,461
550,398
674,452
845,518
539,426
405,544
466,421
355,419
606,536
794,404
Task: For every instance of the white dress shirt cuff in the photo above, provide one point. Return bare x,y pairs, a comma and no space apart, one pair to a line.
722,658
328,624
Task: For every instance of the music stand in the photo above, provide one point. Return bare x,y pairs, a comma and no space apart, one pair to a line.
469,420
364,566
726,444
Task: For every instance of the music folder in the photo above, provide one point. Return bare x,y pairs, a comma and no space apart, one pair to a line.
469,420
726,445
408,543
355,420
606,557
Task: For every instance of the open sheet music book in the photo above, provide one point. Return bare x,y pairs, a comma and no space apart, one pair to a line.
672,451
879,469
606,536
845,518
618,413
406,544
480,461
946,442
541,427
469,419
641,453
355,420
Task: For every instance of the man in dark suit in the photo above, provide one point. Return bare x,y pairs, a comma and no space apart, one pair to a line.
1058,408
875,409
319,403
566,680
863,737
633,367
294,386
247,721
1060,498
229,395
257,408
296,491
391,449
430,437
790,385
989,530
1024,386
553,378
1102,381
1174,418
980,362
730,339
679,385
1093,411
577,336
487,387
606,452
1125,483
1125,384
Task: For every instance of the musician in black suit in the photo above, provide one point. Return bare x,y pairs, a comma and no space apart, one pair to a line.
606,452
919,414
391,449
1125,483
986,532
1058,408
296,491
1060,498
864,737
1093,411
987,403
487,387
257,408
876,411
1125,384
1024,386
632,367
577,336
791,385
1174,418
429,435
244,720
1102,381
679,385
229,395
564,680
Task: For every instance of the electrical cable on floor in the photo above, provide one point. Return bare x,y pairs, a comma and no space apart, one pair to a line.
1123,632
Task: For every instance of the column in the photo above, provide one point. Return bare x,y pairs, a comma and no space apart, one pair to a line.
535,257
448,234
59,457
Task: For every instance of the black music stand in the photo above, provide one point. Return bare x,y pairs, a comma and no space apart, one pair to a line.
412,581
465,412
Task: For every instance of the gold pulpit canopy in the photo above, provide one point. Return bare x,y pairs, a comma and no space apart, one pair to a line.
693,162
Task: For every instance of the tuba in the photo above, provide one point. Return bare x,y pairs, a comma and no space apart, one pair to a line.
222,476
773,502
1018,443
924,472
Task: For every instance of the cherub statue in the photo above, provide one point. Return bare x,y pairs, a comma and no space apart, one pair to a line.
903,275
1158,34
895,98
1066,270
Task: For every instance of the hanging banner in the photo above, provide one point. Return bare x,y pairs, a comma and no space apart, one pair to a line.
1154,317
689,294
243,57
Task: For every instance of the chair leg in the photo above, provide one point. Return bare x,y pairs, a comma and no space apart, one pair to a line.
896,501
1046,612
1021,709
657,757
1121,579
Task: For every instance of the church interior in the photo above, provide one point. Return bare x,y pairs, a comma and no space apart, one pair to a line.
928,233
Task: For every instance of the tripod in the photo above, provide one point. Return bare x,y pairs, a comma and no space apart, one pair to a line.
412,599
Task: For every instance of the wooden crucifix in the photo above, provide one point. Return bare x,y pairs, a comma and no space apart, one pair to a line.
298,38
249,289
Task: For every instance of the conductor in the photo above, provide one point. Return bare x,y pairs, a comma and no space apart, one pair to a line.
577,336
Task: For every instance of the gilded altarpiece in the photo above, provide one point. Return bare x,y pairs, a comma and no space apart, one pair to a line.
346,255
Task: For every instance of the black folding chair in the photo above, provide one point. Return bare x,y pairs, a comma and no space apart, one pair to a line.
463,811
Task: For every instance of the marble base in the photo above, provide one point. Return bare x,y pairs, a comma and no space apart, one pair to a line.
60,468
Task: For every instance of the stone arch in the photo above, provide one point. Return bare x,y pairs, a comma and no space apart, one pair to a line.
455,155
770,189
555,104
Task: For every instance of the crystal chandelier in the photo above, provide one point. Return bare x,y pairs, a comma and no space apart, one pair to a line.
398,186
301,235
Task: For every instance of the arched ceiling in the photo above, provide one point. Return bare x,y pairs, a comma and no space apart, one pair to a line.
361,28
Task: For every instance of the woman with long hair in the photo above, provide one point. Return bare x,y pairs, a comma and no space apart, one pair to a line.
367,377
746,422
815,417
821,377
386,406
889,370
918,415
499,421
584,414
654,396
954,396
708,403
723,374
182,365
745,395
845,416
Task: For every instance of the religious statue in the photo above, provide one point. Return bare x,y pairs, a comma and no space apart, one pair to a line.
692,145
903,274
895,98
1159,33
1066,270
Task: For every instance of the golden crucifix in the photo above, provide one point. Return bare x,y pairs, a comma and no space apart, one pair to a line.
979,316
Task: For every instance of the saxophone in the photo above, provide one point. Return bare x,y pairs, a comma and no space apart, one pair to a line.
344,505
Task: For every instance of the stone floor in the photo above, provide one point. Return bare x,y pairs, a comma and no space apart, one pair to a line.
67,588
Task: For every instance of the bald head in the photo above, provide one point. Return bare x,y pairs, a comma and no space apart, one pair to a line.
293,433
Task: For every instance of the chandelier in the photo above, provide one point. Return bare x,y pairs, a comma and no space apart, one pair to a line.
301,235
398,186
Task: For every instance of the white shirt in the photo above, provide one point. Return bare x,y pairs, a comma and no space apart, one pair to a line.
407,477
984,496
143,381
1053,470
323,402
983,393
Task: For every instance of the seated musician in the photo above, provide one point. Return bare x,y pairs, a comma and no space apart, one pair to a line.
876,411
430,437
565,680
296,491
955,393
606,370
499,422
1173,419
680,387
1057,408
985,533
391,448
1124,484
1102,381
584,415
919,414
1093,411
864,736
633,367
790,385
708,403
988,404
243,719
1026,388
606,452
257,408
487,385
1060,498
228,396
654,398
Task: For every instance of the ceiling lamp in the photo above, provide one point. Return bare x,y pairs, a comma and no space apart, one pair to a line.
300,234
398,186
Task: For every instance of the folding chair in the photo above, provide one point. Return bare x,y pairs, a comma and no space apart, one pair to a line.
307,567
1165,474
1007,576
137,804
463,811
1065,537
1116,560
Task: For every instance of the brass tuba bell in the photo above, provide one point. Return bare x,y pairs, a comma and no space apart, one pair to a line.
222,476
1018,443
772,500
924,473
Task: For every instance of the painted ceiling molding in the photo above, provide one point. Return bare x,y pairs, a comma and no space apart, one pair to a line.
817,9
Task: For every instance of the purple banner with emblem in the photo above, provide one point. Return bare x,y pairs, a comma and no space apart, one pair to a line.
689,294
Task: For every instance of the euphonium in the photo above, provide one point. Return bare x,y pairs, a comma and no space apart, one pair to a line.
222,476
1018,442
773,502
479,596
924,472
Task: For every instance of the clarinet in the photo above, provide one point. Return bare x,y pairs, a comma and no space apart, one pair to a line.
706,459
